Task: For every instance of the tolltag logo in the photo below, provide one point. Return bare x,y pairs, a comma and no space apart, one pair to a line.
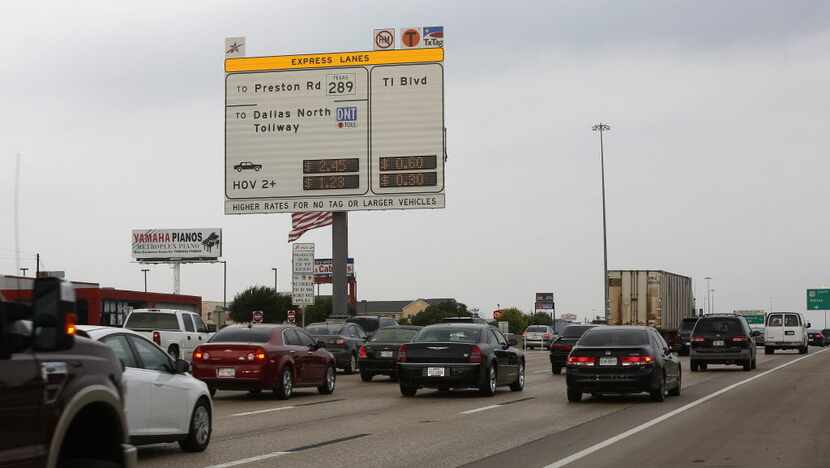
347,117
433,36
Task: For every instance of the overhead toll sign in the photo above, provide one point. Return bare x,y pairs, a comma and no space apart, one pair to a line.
335,132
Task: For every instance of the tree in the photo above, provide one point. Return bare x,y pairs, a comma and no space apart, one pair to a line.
516,320
437,313
274,306
540,318
318,312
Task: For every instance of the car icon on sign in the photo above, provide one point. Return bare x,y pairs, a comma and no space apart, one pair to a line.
247,166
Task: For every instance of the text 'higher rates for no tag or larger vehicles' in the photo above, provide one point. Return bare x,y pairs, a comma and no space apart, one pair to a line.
335,132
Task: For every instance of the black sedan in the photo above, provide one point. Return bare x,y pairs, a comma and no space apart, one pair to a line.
343,340
379,356
454,356
624,359
561,347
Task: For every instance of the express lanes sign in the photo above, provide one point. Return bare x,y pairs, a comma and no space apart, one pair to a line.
335,132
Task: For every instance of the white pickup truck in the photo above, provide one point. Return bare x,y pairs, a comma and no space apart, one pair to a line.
177,331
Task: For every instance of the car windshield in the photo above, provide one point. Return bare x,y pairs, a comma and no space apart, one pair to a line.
614,337
448,334
242,335
718,326
330,329
394,335
152,321
368,324
575,331
537,329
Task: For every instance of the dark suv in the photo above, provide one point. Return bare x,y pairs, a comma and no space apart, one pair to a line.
722,339
62,402
372,323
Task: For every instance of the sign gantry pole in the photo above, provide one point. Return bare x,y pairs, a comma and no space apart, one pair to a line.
339,254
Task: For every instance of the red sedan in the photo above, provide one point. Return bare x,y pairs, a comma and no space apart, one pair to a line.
276,357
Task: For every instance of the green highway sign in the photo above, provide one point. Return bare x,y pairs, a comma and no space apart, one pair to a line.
818,299
754,319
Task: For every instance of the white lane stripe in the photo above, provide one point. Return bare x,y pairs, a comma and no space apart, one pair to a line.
483,408
594,448
269,410
249,460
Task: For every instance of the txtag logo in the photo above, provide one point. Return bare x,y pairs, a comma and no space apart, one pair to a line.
347,117
434,36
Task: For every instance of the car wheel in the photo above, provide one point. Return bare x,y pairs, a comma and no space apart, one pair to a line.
659,394
768,350
285,385
488,387
804,350
519,384
574,395
747,364
555,369
327,388
173,351
408,390
676,390
200,429
351,365
366,376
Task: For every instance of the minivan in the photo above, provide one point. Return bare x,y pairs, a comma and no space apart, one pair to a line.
785,330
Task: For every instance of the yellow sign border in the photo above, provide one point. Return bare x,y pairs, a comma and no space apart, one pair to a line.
333,60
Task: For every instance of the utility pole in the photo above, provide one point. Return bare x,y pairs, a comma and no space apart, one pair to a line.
145,270
275,279
601,127
708,295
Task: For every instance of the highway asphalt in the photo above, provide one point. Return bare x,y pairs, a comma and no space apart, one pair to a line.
769,417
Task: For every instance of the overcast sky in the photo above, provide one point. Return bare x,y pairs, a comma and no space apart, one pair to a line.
716,164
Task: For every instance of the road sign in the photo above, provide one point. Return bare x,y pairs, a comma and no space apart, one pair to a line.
160,245
335,132
292,316
818,299
383,39
753,317
257,316
544,303
302,274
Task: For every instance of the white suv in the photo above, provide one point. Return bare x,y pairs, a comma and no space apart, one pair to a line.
785,330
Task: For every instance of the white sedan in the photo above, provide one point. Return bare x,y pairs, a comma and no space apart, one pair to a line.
164,402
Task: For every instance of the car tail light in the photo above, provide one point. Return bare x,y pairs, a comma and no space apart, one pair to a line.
739,339
71,320
260,355
197,354
587,361
157,338
402,353
475,355
697,339
340,341
637,360
562,347
361,354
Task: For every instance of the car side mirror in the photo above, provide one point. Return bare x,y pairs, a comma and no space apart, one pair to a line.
180,366
809,324
54,319
512,341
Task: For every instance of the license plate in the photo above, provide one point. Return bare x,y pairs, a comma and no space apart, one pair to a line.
608,361
789,332
226,372
386,354
717,343
435,371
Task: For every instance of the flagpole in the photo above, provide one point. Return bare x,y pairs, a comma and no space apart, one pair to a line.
339,254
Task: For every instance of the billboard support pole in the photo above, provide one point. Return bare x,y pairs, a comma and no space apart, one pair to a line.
177,277
339,254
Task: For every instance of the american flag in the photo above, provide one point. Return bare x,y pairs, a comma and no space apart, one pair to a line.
302,222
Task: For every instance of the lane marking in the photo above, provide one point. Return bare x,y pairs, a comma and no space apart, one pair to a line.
599,446
269,410
250,460
483,408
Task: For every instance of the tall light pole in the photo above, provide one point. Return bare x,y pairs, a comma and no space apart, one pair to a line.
275,279
601,128
708,295
23,271
712,304
145,270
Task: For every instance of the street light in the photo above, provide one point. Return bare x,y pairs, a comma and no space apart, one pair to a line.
601,128
24,270
712,303
275,279
145,270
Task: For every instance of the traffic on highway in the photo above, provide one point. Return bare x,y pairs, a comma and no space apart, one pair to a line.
474,189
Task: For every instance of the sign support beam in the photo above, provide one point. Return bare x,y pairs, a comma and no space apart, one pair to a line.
339,254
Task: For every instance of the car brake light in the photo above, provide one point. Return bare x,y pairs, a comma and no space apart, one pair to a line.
260,356
361,354
402,353
739,338
157,338
340,341
197,354
475,354
637,360
697,339
588,361
71,320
